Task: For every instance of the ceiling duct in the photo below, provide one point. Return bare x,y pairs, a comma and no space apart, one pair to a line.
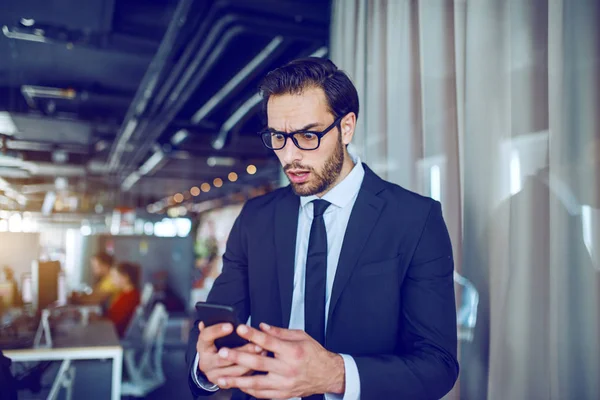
149,83
244,109
188,74
7,125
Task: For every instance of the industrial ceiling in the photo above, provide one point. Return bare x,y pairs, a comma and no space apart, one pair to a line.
127,103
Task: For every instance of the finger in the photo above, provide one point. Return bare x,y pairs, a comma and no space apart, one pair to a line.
250,348
285,334
209,334
267,394
210,361
266,341
254,361
254,382
231,371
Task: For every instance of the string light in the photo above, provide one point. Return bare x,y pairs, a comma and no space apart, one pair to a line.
232,177
178,198
251,169
218,182
205,187
195,191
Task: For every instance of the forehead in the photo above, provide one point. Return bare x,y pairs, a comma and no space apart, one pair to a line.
294,111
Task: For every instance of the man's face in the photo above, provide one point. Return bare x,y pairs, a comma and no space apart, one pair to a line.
311,172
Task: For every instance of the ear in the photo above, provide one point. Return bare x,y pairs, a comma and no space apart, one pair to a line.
347,126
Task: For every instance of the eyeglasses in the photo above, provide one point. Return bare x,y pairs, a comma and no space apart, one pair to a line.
304,140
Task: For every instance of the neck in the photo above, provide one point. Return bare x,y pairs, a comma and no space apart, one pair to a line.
128,288
347,167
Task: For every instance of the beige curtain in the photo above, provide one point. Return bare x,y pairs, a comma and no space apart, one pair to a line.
493,108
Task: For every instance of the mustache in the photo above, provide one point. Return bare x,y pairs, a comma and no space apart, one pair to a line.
296,166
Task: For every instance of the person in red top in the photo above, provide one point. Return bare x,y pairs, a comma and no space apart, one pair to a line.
126,276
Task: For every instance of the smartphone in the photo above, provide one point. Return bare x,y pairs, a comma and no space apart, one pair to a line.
212,314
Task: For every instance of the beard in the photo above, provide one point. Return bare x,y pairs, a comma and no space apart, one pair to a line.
322,180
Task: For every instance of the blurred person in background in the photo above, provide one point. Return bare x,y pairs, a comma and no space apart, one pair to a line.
126,276
9,278
105,289
348,279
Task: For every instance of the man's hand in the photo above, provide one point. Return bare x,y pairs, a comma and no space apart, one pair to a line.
301,366
213,366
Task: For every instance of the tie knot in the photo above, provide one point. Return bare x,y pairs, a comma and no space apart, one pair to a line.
319,207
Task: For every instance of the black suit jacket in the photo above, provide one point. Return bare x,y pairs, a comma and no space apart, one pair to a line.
392,304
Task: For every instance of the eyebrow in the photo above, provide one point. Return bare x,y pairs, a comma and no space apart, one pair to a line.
304,128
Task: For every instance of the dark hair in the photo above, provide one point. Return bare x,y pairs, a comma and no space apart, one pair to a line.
131,271
310,72
104,258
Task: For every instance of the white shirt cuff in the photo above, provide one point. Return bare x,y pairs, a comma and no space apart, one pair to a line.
200,381
352,381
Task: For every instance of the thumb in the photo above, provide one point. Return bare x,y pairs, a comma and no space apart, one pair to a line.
281,333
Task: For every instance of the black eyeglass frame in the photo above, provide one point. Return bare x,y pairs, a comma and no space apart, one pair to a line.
294,140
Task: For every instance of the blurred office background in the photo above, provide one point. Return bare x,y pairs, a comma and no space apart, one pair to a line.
130,127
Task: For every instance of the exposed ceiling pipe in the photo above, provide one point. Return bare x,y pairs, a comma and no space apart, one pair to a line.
147,125
11,193
48,205
130,180
32,92
152,129
218,31
149,83
239,78
191,50
261,26
234,119
52,169
43,146
181,94
245,108
153,163
35,36
7,125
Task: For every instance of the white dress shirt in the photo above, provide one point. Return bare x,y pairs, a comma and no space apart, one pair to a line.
342,198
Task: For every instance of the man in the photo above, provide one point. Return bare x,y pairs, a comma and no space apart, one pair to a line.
359,270
105,290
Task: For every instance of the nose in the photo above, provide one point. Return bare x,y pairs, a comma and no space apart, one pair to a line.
289,153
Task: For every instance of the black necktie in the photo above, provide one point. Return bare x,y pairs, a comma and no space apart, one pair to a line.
316,275
316,278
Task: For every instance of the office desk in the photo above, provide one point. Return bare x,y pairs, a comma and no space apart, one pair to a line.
97,340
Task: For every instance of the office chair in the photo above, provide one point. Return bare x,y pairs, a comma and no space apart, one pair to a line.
138,321
143,364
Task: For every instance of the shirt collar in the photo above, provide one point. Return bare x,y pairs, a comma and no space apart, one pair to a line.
342,194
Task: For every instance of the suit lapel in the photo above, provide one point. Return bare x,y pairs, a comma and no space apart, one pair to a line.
286,227
364,216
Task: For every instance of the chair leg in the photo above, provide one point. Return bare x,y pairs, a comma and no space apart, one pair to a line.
69,381
59,380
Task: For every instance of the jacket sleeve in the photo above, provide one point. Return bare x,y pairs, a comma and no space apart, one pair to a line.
230,288
426,366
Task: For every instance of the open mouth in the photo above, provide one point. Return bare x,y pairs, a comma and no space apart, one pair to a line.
298,176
